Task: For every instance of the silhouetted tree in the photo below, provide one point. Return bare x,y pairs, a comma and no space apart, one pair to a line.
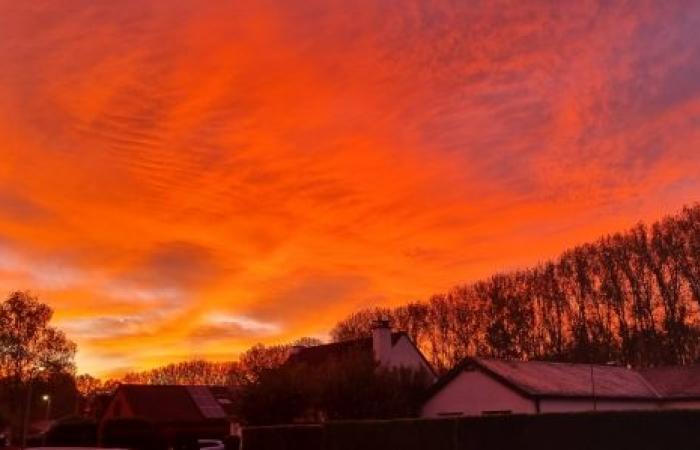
347,387
29,347
185,372
359,324
631,298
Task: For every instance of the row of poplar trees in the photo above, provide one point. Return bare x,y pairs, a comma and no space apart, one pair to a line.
629,298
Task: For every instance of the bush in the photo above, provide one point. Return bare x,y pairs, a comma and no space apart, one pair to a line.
289,437
629,430
72,432
232,443
132,433
409,434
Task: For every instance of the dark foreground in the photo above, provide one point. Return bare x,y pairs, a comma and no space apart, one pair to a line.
678,430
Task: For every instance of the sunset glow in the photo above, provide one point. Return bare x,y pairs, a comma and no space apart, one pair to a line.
184,179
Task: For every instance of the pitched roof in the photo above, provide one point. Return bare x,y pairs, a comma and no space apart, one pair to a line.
675,382
170,403
320,353
538,379
552,379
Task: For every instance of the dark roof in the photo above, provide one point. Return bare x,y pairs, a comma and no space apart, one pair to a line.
675,382
538,379
170,403
552,379
320,353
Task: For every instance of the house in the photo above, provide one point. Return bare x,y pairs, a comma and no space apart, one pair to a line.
389,349
486,386
176,411
679,386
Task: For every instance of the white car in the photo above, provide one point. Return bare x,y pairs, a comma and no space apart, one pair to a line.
210,444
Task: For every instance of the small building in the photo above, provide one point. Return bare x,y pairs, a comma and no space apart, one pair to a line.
485,386
177,412
389,349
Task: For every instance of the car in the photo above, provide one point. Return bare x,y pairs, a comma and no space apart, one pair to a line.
210,444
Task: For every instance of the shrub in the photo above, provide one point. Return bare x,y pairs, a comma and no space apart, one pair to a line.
72,432
232,442
408,434
628,430
132,433
289,437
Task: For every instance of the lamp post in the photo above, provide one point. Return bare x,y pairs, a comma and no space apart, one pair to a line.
28,405
47,399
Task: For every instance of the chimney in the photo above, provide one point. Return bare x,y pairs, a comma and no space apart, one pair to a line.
381,342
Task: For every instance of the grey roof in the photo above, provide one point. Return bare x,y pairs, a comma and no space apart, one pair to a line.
318,354
675,382
540,379
175,403
549,379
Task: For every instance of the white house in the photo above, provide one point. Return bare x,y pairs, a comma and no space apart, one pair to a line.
391,350
483,386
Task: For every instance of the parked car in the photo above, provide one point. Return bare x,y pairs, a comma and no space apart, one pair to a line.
210,444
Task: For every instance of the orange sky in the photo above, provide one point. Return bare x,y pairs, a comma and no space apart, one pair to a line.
183,179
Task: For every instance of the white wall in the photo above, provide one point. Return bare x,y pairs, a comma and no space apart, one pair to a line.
680,404
582,405
473,393
405,354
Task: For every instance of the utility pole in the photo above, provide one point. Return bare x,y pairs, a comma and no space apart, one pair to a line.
27,408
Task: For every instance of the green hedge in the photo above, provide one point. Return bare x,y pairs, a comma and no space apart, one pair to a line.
654,430
291,437
392,434
131,433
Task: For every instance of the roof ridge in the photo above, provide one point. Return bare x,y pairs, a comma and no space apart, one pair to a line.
558,363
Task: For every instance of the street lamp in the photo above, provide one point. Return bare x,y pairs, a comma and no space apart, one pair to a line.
47,399
28,405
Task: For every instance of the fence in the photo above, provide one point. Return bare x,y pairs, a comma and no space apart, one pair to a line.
677,430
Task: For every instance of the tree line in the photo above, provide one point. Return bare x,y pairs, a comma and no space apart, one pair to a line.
629,298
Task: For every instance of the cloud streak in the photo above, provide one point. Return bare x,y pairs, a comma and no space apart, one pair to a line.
289,162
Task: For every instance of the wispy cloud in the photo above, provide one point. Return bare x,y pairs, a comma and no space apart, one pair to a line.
282,163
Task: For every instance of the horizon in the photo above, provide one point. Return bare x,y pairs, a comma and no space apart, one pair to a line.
185,180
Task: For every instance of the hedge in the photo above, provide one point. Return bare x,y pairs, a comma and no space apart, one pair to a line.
72,432
131,433
633,430
293,437
393,434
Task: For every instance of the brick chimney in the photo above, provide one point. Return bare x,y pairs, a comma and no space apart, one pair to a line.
381,342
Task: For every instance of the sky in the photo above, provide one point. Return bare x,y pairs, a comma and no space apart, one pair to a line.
183,179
